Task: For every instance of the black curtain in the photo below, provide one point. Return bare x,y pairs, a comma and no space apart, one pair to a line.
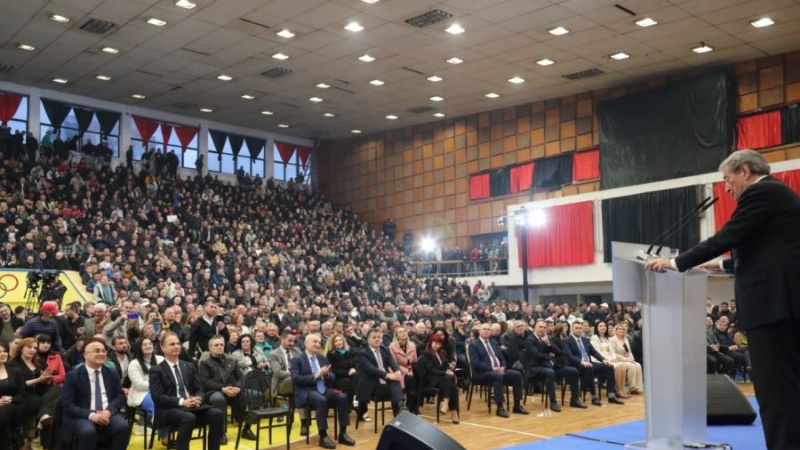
108,120
218,137
642,218
499,182
84,117
254,146
57,112
236,146
552,173
790,124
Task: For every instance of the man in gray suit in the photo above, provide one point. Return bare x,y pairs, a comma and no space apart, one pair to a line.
280,361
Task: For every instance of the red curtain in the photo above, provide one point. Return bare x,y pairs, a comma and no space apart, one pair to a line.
166,133
586,165
146,129
521,177
286,151
759,131
791,178
9,103
185,135
723,209
303,153
479,186
565,239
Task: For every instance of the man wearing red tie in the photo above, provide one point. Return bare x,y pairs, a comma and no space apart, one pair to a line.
488,365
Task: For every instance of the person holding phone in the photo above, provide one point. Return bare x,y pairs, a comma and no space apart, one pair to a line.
206,327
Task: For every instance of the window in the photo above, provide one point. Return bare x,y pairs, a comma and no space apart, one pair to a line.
252,167
70,129
222,163
292,169
20,119
187,158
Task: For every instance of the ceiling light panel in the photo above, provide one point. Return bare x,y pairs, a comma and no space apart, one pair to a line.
762,22
185,4
646,22
558,31
366,58
286,34
59,18
455,29
355,27
110,50
157,22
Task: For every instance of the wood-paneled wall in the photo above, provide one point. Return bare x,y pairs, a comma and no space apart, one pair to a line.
419,176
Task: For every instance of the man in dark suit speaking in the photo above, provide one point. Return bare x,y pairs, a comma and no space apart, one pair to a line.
762,235
91,399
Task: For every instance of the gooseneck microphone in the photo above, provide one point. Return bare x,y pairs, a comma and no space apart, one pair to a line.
680,225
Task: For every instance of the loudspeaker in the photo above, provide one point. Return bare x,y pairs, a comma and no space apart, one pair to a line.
409,431
727,404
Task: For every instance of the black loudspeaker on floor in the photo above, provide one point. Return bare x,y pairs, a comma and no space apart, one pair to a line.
408,431
727,404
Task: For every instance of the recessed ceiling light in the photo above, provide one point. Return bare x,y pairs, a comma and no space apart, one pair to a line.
156,22
284,33
455,60
370,1
110,50
366,58
138,96
283,125
59,18
280,56
185,4
315,99
206,110
438,114
763,22
545,62
248,97
103,77
455,29
516,80
646,22
355,131
267,113
435,78
392,117
377,82
492,95
437,98
620,55
60,80
27,47
329,115
323,85
703,48
558,31
224,77
354,27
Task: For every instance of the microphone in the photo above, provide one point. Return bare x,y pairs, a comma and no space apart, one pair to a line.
680,225
676,224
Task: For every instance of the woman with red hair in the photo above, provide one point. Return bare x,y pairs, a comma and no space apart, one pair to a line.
438,374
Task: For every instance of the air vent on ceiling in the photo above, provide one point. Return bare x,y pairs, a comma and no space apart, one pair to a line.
5,68
429,18
186,105
196,52
97,26
276,72
422,109
253,22
343,89
583,74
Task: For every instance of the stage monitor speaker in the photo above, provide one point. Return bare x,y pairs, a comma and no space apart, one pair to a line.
727,404
409,431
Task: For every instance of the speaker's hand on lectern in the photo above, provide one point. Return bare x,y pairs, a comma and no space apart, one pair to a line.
658,265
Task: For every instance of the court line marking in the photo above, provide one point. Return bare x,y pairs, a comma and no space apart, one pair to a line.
494,428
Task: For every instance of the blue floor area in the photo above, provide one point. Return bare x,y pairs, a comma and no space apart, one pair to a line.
748,437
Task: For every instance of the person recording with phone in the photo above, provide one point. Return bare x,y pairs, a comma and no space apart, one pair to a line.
206,327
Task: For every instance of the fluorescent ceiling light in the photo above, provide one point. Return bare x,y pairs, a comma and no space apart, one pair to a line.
355,131
392,117
138,96
185,4
284,33
283,125
27,47
329,115
377,82
762,22
280,56
558,31
103,77
323,85
435,78
206,110
646,22
315,99
545,62
455,29
620,55
455,60
267,113
156,22
60,80
438,114
224,77
248,97
703,48
492,95
437,98
354,27
59,18
366,58
516,80
110,50
370,1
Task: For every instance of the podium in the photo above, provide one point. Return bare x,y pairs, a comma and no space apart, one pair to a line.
674,346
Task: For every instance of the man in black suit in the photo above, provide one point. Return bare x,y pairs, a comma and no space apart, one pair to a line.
540,354
577,350
380,374
488,364
91,399
178,397
762,234
312,378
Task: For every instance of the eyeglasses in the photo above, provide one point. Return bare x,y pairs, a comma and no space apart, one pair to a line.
97,352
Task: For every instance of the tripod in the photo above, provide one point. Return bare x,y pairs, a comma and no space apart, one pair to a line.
31,296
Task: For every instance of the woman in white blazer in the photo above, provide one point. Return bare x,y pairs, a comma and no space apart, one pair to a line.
138,372
622,347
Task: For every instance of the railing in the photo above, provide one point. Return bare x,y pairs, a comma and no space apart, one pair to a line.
462,267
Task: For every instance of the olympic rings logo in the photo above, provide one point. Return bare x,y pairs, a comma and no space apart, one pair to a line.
5,287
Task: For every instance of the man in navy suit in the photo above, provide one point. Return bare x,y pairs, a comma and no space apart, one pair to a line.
91,399
311,376
178,397
762,234
577,350
488,364
540,354
380,374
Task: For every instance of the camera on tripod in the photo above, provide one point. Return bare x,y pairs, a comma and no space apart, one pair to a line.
34,279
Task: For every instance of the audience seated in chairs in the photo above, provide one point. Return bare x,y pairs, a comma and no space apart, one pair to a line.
621,346
91,400
404,353
600,341
716,360
41,392
728,347
578,350
436,373
178,398
488,365
249,356
344,365
312,378
380,375
12,394
280,361
542,356
144,360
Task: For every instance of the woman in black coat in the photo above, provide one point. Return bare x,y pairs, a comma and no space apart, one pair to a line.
437,373
343,364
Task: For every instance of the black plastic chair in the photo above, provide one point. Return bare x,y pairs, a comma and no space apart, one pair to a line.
269,414
132,415
486,386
